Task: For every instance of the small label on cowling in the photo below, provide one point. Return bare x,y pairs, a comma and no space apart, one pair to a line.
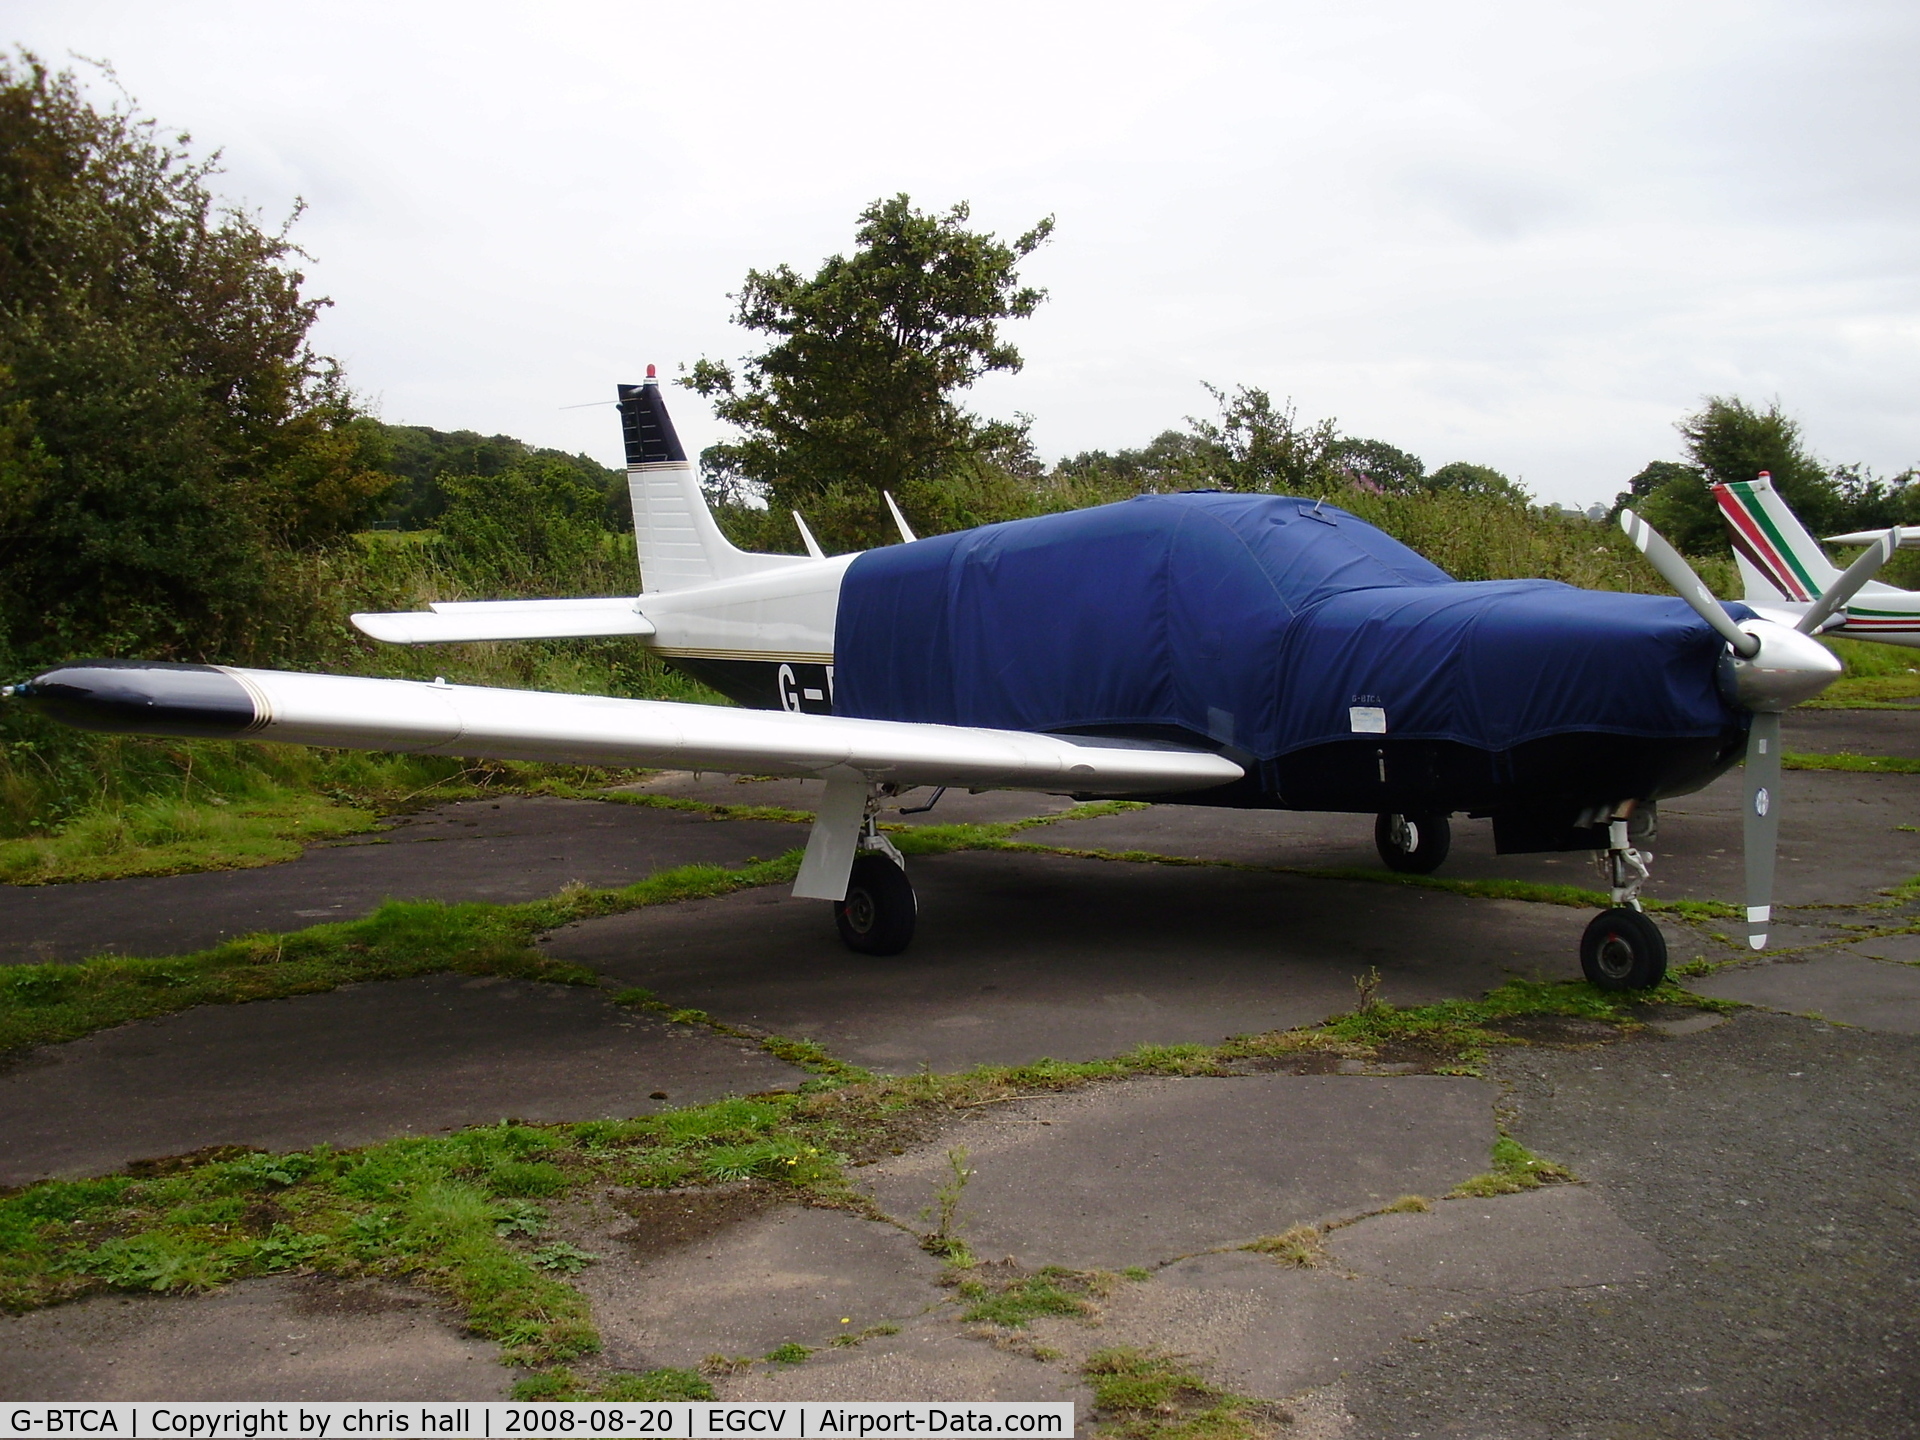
1367,719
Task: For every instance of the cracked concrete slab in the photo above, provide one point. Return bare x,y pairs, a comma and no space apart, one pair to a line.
1903,949
1559,1237
281,1338
516,848
1771,1161
1852,989
356,1065
928,1360
1142,1172
1250,1324
788,1275
1021,956
1273,1330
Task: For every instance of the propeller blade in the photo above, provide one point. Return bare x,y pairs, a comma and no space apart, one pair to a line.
1676,572
1836,595
1761,827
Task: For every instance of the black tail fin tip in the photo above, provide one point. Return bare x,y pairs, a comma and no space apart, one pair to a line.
644,423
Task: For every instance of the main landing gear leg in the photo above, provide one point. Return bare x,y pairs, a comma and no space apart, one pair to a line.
1623,949
878,914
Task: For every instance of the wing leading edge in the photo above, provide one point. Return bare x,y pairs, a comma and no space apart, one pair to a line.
365,714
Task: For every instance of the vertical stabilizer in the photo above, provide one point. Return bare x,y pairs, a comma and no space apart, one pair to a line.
673,530
1778,559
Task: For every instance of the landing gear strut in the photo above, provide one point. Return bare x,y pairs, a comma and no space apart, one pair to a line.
1412,844
1623,949
878,914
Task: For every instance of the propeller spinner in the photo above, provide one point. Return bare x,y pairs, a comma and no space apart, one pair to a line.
1769,668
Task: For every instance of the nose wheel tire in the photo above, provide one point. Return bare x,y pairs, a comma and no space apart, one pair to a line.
1412,844
1623,950
878,914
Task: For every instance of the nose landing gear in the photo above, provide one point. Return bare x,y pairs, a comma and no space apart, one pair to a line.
1622,949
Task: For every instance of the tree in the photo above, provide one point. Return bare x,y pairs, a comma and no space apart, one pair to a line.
857,387
171,435
1466,479
1256,446
1728,440
1377,464
525,529
421,456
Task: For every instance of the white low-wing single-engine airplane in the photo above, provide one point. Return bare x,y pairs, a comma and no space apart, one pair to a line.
1209,648
1784,569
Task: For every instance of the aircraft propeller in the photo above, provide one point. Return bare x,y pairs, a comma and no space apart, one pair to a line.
1770,669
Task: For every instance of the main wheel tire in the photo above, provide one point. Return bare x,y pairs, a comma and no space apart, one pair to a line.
1623,950
1412,844
877,916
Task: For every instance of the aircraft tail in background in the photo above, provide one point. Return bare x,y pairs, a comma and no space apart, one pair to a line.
679,543
1778,559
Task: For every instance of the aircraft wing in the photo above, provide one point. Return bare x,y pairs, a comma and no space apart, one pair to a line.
220,702
456,620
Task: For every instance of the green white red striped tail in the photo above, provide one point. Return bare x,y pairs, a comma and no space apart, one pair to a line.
1783,566
1778,559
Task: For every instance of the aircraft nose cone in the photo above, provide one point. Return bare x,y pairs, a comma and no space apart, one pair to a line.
144,697
1788,667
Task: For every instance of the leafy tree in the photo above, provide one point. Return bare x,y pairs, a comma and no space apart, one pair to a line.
857,386
1377,464
1256,446
1465,479
1725,441
529,528
170,435
421,455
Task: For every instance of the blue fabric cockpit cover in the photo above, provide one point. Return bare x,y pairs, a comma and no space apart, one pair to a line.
1261,621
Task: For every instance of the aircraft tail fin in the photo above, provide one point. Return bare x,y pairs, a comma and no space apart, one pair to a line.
674,531
1778,558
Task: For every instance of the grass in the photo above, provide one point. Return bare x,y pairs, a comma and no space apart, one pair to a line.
159,808
1012,1306
1515,1168
1867,764
1879,677
1152,1395
466,1214
1300,1246
43,1004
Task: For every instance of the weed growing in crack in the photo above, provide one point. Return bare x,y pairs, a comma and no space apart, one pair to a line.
1013,1305
562,1258
1515,1168
790,1353
1152,1395
860,1337
945,1210
663,1384
1300,1245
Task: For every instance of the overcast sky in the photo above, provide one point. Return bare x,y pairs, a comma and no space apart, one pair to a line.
1530,236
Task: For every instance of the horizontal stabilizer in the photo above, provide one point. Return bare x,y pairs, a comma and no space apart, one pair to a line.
220,702
457,620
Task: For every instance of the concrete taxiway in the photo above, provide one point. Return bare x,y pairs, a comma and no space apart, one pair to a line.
1737,1259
